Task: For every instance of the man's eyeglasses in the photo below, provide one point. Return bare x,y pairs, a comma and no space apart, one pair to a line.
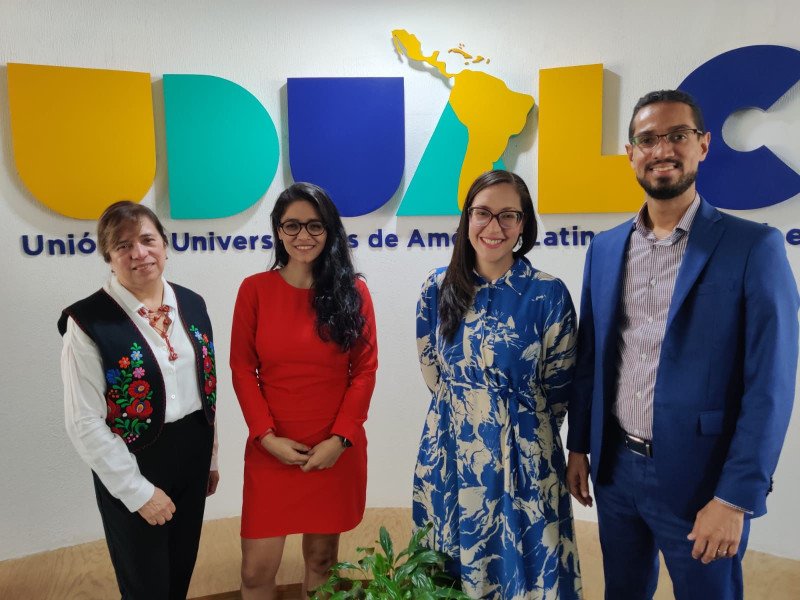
293,227
649,141
507,219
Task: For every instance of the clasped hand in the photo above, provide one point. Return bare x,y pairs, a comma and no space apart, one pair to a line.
322,456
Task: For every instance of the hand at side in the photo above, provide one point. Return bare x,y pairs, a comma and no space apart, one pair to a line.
716,532
159,509
578,477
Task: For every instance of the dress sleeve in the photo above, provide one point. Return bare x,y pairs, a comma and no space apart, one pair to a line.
85,419
427,316
558,350
245,362
363,365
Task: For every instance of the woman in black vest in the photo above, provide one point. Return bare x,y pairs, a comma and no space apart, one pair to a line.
138,367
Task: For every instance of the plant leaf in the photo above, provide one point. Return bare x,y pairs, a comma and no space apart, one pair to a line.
402,573
450,593
356,591
422,580
367,564
382,565
428,558
386,544
420,577
389,585
320,592
417,537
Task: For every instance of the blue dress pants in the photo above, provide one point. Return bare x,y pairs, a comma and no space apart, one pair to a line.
635,524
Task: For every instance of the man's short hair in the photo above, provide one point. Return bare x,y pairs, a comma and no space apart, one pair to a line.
669,96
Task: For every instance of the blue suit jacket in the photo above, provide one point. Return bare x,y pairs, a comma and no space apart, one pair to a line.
726,379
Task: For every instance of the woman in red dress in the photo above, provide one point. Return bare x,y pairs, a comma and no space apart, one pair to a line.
303,357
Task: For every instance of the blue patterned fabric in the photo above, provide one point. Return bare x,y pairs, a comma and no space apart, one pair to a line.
490,472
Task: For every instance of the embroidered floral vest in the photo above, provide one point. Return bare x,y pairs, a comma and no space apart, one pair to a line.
135,393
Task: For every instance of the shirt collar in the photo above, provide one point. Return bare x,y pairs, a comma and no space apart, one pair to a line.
132,304
684,225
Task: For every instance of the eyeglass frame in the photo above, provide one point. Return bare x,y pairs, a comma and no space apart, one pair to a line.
665,136
303,225
520,216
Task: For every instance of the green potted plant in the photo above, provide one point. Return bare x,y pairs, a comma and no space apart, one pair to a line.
415,573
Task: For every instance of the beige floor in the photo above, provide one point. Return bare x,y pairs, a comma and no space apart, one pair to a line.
84,572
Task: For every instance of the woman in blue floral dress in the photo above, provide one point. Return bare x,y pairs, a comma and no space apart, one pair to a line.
496,342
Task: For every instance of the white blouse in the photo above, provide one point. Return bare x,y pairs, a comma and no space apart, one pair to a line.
84,396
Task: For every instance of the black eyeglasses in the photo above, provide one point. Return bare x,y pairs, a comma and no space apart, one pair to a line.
507,219
648,141
293,227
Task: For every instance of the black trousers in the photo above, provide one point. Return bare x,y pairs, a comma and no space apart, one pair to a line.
155,562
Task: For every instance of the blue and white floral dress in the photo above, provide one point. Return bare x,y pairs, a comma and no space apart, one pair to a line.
491,470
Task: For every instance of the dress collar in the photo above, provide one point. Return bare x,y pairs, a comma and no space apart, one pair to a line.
521,269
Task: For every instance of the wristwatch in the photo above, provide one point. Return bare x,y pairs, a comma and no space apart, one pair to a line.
345,442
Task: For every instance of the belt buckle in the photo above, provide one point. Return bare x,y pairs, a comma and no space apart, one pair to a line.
638,445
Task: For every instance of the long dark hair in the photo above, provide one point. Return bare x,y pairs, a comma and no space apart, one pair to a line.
458,287
336,299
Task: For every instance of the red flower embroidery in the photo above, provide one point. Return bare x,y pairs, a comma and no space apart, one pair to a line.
124,362
140,409
211,384
113,413
113,395
139,389
209,373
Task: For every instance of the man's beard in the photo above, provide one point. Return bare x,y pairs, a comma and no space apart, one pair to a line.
668,192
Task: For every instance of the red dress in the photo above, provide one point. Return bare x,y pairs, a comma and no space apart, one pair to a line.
287,378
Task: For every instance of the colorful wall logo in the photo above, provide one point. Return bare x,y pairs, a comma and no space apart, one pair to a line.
84,138
472,133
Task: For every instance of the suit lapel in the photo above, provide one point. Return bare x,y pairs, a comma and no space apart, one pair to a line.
613,269
703,239
610,291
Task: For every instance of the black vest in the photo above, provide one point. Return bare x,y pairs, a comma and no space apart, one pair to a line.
135,392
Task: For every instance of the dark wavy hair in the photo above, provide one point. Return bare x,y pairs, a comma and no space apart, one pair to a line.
336,299
458,288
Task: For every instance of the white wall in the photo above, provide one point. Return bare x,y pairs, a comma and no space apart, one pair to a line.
46,496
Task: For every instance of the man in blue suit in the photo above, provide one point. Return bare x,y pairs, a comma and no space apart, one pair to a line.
687,352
